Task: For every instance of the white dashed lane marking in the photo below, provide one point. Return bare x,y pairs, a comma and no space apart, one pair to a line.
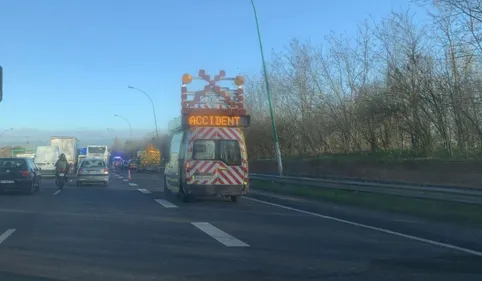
165,203
143,190
57,192
6,234
216,233
132,184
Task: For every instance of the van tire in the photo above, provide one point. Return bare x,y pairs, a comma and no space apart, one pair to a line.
234,198
182,196
167,192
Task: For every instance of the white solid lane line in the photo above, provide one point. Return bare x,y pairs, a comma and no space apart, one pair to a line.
143,190
132,184
125,180
216,233
411,237
57,192
6,234
165,203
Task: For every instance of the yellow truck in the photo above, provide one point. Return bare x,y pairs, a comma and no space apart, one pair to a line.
149,159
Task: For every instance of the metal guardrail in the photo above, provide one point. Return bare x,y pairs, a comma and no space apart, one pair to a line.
463,195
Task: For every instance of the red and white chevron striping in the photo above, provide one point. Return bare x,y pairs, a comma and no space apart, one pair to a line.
221,173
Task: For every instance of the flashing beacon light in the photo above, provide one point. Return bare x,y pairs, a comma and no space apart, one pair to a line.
230,102
239,80
186,79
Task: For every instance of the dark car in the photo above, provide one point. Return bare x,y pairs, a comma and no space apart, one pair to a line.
19,174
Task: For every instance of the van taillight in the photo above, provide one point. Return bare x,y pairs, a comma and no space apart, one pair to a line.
81,171
106,171
24,173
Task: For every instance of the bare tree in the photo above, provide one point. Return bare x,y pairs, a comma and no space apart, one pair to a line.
396,86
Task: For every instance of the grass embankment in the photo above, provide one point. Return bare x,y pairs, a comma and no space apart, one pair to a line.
425,208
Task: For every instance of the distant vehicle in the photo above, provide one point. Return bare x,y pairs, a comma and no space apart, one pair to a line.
93,171
149,159
80,158
69,146
117,163
45,158
98,151
208,153
19,174
133,164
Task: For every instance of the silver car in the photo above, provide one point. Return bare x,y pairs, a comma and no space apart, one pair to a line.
93,171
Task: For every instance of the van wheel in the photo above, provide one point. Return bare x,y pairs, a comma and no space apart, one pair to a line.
234,198
167,192
182,196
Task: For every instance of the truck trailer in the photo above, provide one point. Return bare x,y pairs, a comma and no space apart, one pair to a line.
69,146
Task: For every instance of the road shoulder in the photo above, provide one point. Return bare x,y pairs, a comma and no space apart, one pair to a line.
468,236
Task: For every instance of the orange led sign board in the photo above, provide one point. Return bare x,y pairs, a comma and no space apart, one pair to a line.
216,121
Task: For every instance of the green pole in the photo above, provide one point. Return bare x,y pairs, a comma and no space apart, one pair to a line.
273,122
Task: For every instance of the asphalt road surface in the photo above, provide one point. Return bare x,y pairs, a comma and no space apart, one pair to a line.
131,231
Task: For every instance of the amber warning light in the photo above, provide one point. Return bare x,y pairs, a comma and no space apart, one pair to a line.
216,121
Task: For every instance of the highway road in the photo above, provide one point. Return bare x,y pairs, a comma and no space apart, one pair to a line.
131,231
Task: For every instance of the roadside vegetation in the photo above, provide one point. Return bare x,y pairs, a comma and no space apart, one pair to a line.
407,88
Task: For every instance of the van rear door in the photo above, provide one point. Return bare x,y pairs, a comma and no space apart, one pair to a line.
220,159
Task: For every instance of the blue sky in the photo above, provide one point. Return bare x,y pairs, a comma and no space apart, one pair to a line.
67,63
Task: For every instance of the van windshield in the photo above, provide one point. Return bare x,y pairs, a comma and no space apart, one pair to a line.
227,151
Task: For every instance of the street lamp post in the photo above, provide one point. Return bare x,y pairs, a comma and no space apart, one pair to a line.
128,123
153,108
4,131
273,121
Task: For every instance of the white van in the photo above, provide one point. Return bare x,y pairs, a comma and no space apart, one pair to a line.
205,164
208,154
45,158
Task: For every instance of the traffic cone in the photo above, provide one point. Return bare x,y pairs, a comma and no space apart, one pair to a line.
129,174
